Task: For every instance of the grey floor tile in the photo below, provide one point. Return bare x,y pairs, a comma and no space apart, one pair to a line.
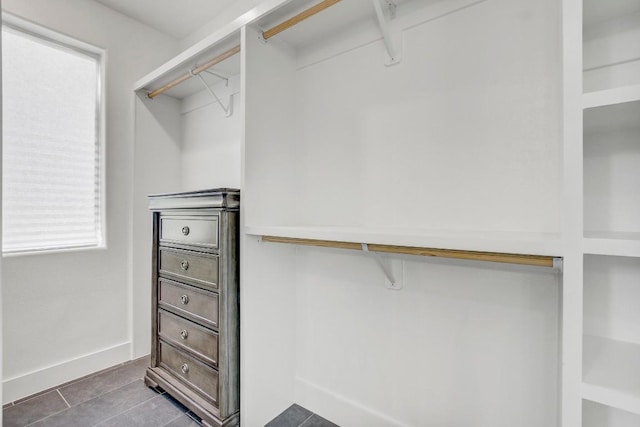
183,421
293,416
104,382
100,408
152,413
317,421
33,409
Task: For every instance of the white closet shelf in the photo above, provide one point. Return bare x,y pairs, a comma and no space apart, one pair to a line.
596,11
610,373
612,243
615,96
543,244
214,44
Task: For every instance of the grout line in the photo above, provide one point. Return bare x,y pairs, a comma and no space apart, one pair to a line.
65,400
76,380
128,410
48,416
303,423
33,396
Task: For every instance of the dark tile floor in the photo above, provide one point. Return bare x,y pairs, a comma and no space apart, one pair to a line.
297,416
117,397
114,397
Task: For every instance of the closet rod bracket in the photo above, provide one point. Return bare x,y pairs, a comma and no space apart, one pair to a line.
558,264
228,110
392,282
386,12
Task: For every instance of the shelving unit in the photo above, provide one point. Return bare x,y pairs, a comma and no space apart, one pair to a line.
611,378
347,128
597,415
610,48
341,146
611,244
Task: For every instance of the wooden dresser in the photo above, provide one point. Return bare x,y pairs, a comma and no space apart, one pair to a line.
195,306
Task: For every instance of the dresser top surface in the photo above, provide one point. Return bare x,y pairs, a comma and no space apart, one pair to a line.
228,198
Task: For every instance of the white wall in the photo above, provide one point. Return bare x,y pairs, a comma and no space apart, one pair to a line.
157,169
180,145
69,314
463,134
210,140
462,344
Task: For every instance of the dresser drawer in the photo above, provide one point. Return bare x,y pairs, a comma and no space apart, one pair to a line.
196,375
190,266
190,230
198,304
189,335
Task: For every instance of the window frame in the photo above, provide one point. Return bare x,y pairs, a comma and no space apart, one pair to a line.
67,43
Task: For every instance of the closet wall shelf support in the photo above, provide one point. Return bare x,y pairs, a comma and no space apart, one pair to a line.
266,35
393,282
229,108
386,12
220,76
551,262
194,71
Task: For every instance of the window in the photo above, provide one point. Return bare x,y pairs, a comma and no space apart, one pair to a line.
53,190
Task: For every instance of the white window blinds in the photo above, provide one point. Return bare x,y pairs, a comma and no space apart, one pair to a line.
52,189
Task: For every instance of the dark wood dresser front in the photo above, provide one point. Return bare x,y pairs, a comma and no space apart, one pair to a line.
195,354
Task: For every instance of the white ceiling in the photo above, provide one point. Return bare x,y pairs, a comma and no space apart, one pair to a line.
177,18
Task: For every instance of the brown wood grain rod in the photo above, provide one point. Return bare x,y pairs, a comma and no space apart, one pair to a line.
210,63
298,18
520,259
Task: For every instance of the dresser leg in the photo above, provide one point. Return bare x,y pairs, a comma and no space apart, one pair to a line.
152,384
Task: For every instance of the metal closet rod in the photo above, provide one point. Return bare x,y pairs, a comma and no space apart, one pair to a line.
194,72
520,259
298,18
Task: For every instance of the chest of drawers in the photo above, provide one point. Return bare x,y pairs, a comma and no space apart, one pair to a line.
195,355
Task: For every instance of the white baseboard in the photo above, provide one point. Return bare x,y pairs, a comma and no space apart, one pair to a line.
340,409
33,382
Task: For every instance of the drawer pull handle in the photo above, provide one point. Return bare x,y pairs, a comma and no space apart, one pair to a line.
185,230
184,334
184,299
184,368
184,265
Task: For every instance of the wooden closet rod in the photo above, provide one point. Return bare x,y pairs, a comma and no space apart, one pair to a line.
210,63
299,17
532,260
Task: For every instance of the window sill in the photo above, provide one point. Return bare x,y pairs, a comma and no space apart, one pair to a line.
53,251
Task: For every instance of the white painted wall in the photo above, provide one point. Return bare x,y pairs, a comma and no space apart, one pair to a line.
69,314
464,134
180,145
157,169
210,141
462,344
